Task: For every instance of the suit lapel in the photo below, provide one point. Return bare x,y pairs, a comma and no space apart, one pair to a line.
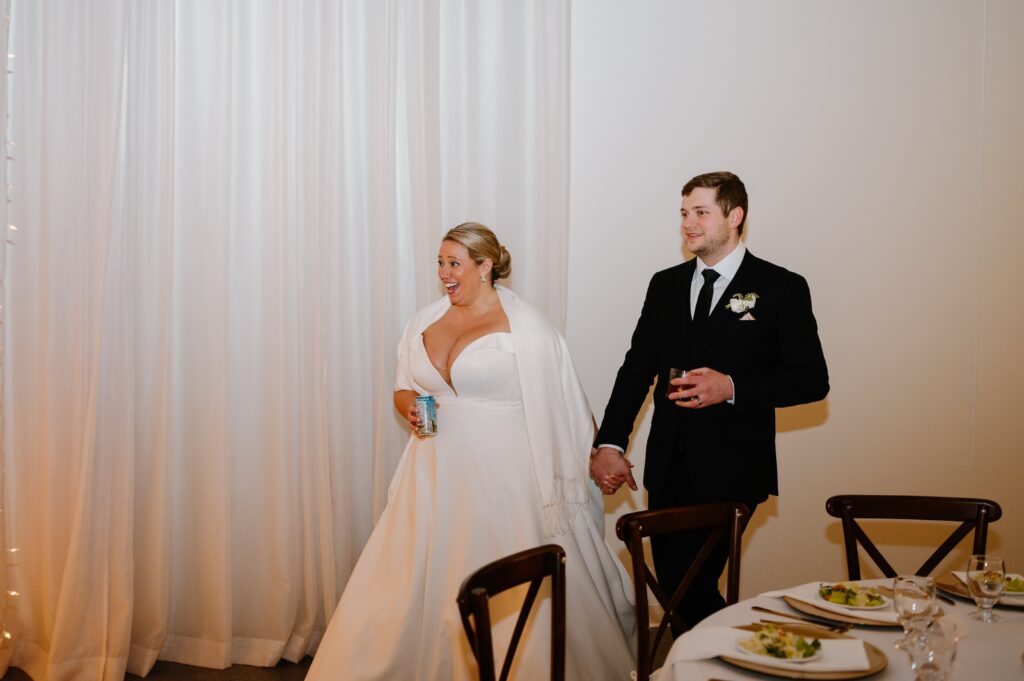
687,278
719,312
687,321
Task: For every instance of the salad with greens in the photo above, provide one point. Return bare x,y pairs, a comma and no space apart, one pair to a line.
1014,585
774,641
851,595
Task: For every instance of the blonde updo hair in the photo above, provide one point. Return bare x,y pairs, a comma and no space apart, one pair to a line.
482,244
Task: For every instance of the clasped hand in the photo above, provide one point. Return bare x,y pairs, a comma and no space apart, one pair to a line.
609,469
704,387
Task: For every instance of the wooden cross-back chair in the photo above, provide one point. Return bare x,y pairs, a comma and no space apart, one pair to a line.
972,514
725,521
531,566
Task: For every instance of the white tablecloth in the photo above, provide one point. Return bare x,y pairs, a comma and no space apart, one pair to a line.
990,652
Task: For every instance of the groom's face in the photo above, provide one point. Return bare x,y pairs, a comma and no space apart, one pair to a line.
707,232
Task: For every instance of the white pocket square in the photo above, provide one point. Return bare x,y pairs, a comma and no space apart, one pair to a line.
747,318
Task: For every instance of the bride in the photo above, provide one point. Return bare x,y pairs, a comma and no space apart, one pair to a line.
506,471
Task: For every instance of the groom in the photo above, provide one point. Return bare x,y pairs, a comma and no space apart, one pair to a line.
743,329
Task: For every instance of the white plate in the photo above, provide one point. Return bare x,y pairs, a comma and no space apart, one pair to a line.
759,656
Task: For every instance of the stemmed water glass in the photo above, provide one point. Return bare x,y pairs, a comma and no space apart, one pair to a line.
986,579
913,598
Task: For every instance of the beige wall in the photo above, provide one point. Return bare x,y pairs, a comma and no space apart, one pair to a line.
881,144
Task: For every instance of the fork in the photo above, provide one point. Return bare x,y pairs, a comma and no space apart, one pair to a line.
838,628
832,625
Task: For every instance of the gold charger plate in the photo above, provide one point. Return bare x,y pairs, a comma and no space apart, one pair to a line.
877,660
808,609
954,587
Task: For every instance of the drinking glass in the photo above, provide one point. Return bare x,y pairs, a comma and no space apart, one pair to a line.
986,578
932,650
913,598
669,388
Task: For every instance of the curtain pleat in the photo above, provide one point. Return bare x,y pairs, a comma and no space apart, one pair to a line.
227,212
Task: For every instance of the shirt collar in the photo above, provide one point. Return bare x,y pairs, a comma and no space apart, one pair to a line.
727,266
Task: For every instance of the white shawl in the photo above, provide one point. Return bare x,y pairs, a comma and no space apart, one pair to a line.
559,422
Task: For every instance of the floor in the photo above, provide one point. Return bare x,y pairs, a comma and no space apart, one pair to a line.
170,671
284,671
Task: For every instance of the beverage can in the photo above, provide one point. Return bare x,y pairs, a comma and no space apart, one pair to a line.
426,409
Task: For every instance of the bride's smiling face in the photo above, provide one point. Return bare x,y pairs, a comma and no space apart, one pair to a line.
459,274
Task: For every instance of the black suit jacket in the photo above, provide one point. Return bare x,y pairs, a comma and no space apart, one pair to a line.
727,451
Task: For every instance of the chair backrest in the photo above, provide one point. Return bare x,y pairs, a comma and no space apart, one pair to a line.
725,521
972,514
531,566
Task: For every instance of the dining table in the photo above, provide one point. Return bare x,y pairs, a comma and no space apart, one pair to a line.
985,652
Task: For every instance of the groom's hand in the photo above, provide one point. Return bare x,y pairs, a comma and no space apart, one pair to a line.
707,387
609,469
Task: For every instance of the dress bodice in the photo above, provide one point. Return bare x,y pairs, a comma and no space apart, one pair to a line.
484,370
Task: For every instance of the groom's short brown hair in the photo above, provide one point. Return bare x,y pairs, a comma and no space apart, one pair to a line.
730,192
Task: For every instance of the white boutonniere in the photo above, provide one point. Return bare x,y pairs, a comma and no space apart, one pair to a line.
742,302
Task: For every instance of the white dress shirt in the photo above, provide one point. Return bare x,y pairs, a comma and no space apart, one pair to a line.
726,268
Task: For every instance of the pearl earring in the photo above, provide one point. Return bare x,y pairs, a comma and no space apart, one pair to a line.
483,279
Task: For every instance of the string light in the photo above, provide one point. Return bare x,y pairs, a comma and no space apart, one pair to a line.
10,553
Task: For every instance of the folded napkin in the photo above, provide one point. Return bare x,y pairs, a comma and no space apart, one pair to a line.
808,593
1005,599
837,654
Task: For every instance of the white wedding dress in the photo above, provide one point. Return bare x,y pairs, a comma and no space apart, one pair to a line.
458,501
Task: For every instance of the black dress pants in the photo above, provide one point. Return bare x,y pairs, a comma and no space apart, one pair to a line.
673,554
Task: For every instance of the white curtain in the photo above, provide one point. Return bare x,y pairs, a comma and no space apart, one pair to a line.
226,212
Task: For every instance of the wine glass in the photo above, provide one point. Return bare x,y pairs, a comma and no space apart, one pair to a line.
913,598
986,578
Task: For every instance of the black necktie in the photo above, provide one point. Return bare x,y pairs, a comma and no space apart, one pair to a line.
703,309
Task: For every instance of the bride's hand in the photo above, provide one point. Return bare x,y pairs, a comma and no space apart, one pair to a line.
405,403
412,415
609,469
